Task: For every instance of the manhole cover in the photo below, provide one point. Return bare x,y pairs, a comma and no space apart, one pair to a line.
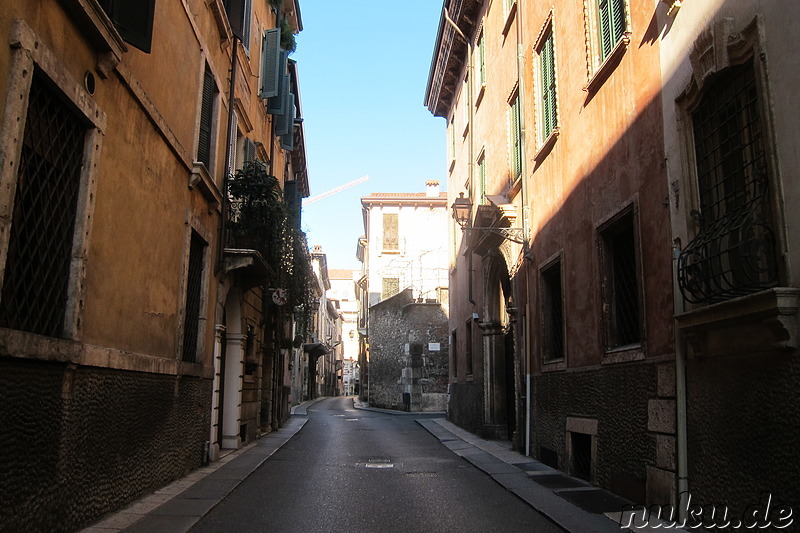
422,474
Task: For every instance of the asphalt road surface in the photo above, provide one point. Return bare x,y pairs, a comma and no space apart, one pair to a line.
353,470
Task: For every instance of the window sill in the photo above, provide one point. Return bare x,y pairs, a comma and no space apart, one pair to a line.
390,252
603,71
623,354
556,365
547,145
200,179
479,97
764,322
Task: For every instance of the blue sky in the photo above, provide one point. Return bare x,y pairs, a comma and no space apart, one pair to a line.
363,68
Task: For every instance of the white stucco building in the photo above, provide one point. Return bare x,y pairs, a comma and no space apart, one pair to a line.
406,244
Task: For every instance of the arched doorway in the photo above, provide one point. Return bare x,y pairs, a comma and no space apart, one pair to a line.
498,346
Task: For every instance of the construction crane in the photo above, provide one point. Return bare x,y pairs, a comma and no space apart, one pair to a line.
316,198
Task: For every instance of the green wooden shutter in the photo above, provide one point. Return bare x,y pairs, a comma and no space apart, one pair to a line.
235,9
482,61
548,78
482,179
270,56
133,20
612,24
287,134
284,121
206,118
516,139
276,104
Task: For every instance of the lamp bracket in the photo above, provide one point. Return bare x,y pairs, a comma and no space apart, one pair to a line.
516,235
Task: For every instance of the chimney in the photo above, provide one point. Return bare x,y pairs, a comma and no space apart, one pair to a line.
432,189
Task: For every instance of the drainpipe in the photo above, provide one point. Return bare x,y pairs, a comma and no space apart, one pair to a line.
525,219
681,438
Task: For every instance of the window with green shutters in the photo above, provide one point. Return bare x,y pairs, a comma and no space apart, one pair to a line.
612,24
482,178
548,116
204,136
515,138
270,61
481,63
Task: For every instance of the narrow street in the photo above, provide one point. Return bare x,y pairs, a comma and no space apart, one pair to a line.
358,470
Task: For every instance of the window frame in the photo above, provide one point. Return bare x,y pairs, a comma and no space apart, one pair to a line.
549,362
599,64
545,138
626,218
32,52
515,135
386,241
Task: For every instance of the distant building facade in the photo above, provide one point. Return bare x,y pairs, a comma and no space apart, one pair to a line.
404,250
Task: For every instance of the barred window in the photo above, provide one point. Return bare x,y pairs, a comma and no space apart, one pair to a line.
35,285
734,252
552,312
391,238
194,295
391,286
620,282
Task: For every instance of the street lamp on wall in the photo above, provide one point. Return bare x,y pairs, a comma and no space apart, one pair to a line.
462,209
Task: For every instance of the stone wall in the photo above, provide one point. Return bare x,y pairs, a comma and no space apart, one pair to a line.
402,333
79,442
618,398
742,429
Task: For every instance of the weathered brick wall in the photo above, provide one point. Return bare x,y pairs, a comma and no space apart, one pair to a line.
465,408
743,432
80,443
398,321
617,397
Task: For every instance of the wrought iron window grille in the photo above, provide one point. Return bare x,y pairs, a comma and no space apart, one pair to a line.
734,253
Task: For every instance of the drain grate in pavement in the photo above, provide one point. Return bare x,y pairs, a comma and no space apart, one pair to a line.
557,481
422,474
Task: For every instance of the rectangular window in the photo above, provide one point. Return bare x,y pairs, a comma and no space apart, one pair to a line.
612,24
40,246
194,295
468,348
620,282
548,116
552,313
240,13
391,239
270,62
391,286
133,20
465,101
515,138
451,142
734,253
207,112
480,65
454,354
482,178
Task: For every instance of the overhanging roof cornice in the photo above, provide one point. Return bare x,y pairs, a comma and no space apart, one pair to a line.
450,54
